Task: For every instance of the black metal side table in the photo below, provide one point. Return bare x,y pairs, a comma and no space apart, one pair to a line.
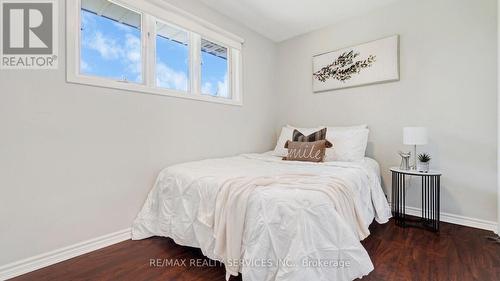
430,199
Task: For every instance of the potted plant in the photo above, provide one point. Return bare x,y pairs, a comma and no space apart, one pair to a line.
423,162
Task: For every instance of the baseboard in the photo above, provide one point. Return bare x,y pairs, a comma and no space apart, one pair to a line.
33,263
457,219
30,264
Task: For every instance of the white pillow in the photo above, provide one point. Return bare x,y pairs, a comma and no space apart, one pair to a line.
348,144
287,134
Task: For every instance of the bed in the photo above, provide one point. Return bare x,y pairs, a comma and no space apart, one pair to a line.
290,233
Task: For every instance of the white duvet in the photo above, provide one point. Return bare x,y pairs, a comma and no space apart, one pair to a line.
289,233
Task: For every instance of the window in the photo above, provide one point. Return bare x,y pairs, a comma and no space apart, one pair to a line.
110,41
214,68
154,48
172,57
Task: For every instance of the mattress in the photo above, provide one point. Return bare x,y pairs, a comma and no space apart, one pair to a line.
289,234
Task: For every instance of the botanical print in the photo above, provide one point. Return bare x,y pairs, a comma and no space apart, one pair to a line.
369,63
344,67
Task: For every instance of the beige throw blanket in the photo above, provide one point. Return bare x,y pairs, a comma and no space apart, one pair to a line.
228,218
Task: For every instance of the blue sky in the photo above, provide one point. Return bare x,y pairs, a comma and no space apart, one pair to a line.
213,75
113,50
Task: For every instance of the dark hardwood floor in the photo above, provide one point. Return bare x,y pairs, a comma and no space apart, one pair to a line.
457,253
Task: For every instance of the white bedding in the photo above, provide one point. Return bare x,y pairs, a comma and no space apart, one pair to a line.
289,233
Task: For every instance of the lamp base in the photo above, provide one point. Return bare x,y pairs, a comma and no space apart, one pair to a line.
414,165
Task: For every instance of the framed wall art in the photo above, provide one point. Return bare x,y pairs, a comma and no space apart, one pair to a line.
369,63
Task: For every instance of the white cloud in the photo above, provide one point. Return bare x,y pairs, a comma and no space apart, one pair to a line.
119,47
85,66
222,90
87,19
133,53
206,88
106,47
109,49
133,47
166,77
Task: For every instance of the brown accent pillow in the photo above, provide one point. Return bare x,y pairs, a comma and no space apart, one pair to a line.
305,151
316,136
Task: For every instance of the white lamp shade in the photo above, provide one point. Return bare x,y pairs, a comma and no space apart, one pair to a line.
415,135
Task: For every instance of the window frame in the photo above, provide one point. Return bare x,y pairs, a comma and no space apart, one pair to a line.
153,11
228,63
153,70
143,49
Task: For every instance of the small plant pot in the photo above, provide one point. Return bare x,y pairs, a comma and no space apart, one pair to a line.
423,167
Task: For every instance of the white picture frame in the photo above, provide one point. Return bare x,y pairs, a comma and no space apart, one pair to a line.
368,63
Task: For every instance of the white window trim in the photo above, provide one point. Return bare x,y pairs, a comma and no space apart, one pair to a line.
153,10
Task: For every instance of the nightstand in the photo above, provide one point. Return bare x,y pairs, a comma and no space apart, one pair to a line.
430,199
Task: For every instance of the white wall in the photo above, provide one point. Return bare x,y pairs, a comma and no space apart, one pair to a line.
76,162
448,84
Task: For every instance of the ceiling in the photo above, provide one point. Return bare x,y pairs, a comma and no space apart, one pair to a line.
279,20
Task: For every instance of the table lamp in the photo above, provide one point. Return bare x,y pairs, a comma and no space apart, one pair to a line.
414,136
